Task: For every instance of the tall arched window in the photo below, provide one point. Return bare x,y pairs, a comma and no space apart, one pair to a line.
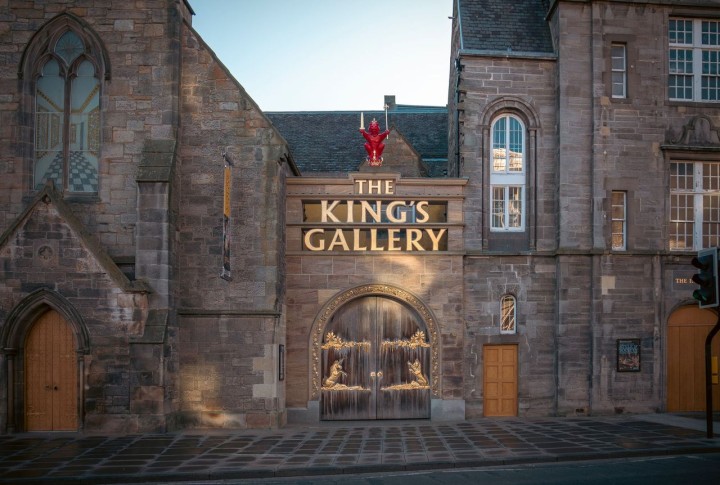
507,175
67,116
508,322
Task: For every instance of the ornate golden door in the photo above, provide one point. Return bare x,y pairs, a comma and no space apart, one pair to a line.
375,362
50,376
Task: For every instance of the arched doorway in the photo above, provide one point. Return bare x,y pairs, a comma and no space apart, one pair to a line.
374,355
51,375
688,328
375,360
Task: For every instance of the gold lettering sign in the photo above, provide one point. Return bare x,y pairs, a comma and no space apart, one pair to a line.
385,223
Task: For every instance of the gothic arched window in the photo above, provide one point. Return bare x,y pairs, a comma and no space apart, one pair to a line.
67,116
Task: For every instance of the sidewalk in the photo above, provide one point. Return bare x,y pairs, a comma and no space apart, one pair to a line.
336,448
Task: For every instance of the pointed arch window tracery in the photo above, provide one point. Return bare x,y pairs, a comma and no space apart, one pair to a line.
67,115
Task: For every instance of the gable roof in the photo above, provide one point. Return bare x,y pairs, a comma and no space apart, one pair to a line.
499,26
48,195
330,141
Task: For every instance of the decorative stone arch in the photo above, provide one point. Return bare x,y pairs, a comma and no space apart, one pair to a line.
518,107
38,51
387,291
40,43
511,105
699,131
21,318
12,343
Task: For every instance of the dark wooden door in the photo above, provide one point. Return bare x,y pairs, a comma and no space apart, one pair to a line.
51,376
375,362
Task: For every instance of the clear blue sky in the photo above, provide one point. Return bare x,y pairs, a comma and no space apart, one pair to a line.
318,55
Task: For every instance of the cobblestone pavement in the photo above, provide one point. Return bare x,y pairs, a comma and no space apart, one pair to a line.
341,448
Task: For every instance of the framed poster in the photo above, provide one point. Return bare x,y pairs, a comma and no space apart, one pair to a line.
628,355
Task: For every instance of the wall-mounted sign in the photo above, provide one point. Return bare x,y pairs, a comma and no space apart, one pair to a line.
628,355
374,213
377,225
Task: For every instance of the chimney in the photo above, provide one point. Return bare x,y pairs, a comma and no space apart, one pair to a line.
390,102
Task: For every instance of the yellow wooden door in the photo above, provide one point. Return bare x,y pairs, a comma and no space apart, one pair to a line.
50,376
687,330
500,380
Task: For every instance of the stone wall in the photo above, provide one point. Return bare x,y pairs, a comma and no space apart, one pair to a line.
48,263
138,102
589,144
169,109
490,86
229,330
316,278
532,281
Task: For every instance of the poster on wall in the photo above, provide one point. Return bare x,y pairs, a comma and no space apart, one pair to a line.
628,355
227,184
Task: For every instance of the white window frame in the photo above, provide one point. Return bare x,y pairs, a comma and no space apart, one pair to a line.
694,205
508,314
689,48
618,218
507,178
618,60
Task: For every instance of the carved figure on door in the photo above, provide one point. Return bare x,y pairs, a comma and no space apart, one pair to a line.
336,371
416,370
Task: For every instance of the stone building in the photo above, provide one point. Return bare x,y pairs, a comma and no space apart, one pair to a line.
172,257
588,131
117,124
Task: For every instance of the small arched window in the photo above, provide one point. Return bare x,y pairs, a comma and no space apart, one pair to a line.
67,117
508,321
507,174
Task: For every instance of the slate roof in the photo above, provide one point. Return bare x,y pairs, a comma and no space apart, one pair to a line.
502,25
329,141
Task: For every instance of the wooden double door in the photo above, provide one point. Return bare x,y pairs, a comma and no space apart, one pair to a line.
51,376
375,362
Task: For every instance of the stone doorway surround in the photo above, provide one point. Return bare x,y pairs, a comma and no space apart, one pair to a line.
441,410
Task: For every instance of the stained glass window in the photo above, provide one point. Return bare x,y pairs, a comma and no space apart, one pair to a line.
67,119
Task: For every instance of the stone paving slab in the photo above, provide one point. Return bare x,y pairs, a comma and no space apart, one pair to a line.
338,448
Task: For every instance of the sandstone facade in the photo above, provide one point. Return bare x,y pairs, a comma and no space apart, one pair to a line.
133,267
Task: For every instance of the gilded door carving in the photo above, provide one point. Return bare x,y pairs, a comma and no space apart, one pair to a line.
375,362
50,376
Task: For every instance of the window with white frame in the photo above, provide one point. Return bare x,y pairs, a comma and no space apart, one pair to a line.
507,175
619,220
508,321
694,205
694,59
618,54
